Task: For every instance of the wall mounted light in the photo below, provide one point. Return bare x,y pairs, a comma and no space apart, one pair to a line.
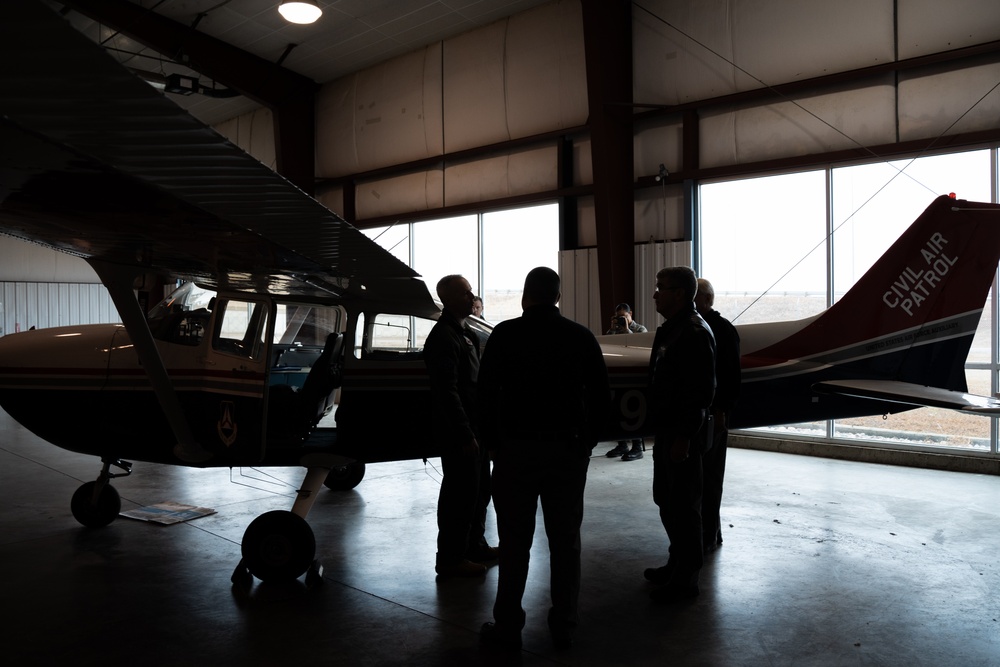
300,11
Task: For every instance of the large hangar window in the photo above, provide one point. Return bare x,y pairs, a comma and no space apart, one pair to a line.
787,246
493,250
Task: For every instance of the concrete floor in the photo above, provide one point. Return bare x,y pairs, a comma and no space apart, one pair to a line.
824,563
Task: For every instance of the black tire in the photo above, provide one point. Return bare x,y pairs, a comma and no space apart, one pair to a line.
98,515
278,546
345,478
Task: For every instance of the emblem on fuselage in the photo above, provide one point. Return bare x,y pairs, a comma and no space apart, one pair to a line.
226,426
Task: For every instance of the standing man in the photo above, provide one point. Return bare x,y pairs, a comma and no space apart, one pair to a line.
682,384
727,391
542,406
622,323
452,356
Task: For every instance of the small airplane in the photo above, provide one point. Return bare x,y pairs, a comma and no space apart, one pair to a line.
286,310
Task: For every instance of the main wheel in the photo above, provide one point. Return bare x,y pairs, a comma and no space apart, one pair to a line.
99,514
346,477
278,545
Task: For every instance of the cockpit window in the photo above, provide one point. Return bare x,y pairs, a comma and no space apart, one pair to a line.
183,316
240,327
303,325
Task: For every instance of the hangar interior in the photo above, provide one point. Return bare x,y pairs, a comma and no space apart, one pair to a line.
398,112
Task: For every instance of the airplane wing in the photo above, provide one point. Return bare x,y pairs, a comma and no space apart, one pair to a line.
99,164
912,394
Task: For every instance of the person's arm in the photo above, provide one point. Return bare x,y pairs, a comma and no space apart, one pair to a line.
441,354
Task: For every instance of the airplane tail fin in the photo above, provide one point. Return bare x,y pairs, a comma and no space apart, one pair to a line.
913,315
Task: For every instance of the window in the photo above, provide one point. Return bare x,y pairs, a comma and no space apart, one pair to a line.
515,242
240,328
183,316
444,247
304,325
391,336
763,246
494,251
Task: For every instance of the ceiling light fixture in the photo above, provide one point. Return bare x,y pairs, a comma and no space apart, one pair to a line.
300,11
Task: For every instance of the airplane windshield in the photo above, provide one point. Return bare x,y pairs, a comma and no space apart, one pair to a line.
186,297
182,316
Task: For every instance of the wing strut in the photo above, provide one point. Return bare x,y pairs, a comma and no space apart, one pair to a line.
118,279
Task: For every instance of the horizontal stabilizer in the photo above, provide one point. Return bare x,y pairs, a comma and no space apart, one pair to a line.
911,394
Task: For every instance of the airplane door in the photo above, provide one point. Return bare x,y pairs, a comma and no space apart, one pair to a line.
385,409
229,411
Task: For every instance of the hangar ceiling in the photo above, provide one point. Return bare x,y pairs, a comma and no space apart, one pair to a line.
350,36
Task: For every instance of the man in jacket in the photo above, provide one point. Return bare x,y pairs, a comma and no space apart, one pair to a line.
727,391
452,356
542,406
682,384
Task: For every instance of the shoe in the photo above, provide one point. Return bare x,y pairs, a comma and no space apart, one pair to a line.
483,554
674,593
495,637
632,454
658,575
562,634
620,450
463,568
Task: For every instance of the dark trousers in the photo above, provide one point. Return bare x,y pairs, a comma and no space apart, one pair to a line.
524,472
462,502
677,489
714,473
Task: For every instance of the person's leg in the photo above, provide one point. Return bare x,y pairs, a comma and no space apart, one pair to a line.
681,516
515,499
562,507
714,465
478,550
456,506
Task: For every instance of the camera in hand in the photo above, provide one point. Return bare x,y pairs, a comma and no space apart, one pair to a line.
620,322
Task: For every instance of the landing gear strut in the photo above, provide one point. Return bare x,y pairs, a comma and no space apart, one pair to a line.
96,504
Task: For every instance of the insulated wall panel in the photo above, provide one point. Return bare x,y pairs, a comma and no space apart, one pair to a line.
253,132
932,26
659,214
333,199
820,123
387,114
398,110
682,51
546,77
401,194
656,145
521,172
688,51
336,112
475,103
953,102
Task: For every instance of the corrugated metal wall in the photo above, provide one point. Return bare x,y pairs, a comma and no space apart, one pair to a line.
580,293
650,258
42,305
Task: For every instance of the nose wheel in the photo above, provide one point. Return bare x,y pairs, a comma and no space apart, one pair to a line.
96,504
277,545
